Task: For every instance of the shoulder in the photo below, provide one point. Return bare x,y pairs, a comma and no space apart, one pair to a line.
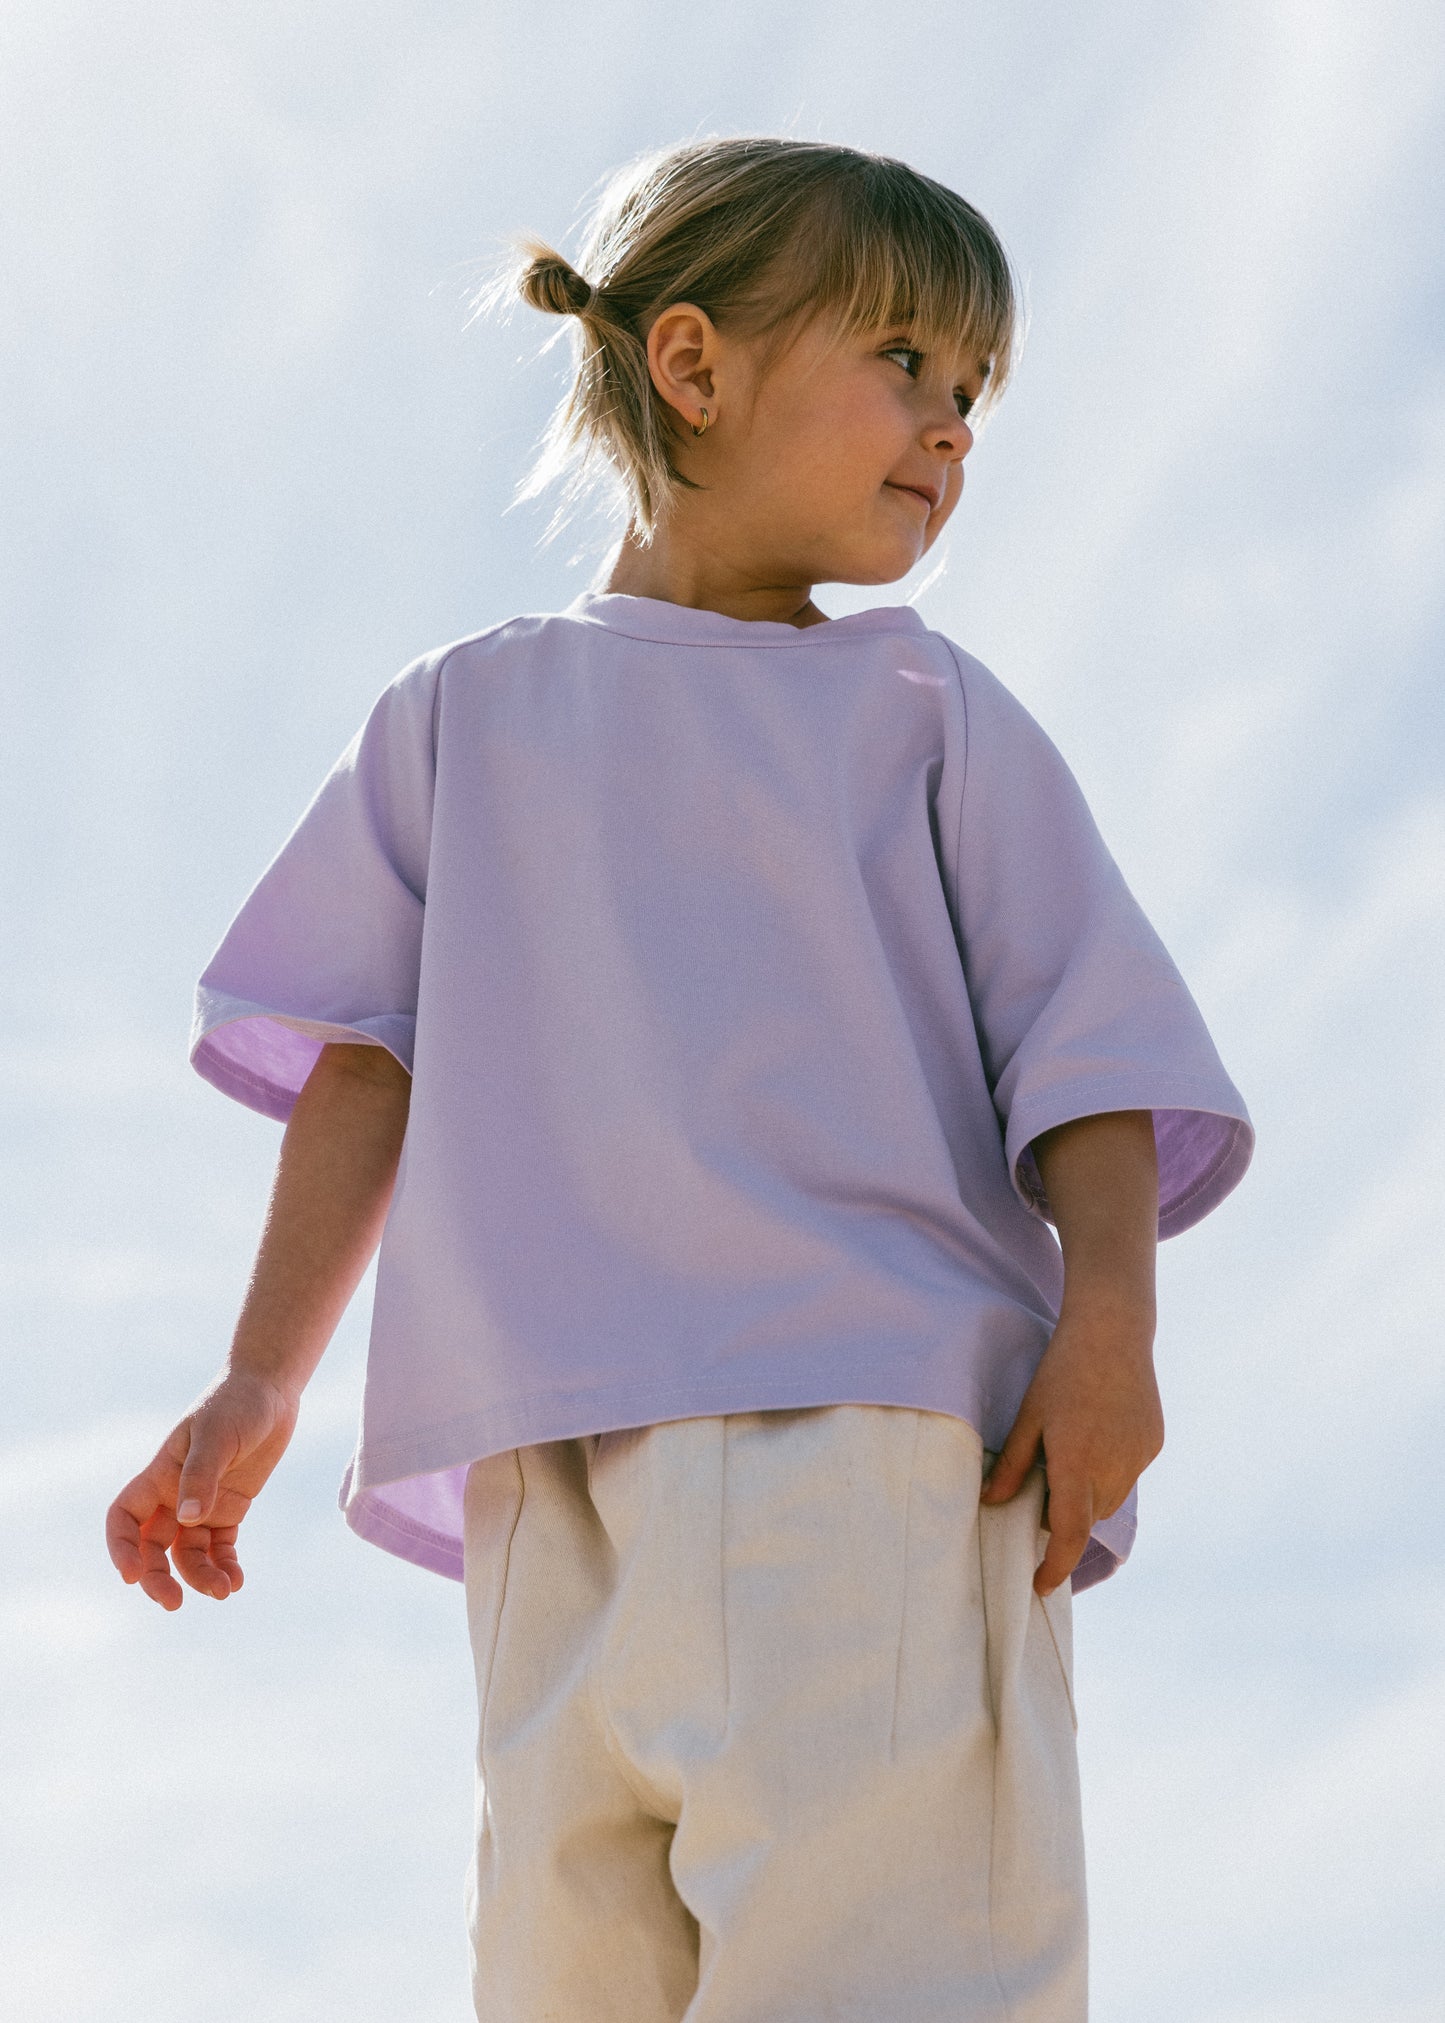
991,707
413,698
981,687
1007,750
531,635
521,634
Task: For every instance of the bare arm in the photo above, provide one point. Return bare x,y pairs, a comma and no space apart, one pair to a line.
1093,1405
333,1186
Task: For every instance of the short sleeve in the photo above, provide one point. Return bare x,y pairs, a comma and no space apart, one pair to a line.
1079,1007
327,945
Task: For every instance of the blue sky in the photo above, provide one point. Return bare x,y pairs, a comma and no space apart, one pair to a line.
258,459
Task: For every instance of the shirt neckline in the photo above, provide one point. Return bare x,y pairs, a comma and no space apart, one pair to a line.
683,625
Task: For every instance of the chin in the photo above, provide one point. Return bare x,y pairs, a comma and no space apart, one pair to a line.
881,567
877,561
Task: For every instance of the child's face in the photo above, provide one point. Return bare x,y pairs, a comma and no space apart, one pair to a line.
841,464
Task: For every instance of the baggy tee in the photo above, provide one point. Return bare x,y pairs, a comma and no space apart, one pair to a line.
737,966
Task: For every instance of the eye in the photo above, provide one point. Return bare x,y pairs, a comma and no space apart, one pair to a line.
961,395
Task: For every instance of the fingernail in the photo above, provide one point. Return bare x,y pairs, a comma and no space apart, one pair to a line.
189,1511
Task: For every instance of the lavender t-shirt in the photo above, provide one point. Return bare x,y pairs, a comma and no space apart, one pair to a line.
736,966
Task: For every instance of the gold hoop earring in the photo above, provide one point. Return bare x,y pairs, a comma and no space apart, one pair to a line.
699,431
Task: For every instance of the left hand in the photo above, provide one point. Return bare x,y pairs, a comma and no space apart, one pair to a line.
1093,1407
212,1464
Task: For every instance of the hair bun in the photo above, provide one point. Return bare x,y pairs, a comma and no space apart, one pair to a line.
550,283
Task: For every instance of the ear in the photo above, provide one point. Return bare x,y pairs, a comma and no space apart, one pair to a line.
682,350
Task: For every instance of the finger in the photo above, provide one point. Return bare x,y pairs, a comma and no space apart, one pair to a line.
141,1562
223,1552
131,1514
208,1456
203,1558
1069,1517
161,1587
122,1542
155,1575
1011,1469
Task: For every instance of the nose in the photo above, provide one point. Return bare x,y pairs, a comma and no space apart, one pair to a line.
954,437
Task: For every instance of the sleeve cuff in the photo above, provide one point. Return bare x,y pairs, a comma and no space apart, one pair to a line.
261,1056
1203,1133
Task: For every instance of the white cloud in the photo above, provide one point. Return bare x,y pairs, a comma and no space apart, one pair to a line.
102,1275
1297,1863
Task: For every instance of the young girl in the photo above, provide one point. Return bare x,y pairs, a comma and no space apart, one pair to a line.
709,1005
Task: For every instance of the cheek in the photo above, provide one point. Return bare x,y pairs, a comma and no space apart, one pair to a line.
836,446
828,460
858,430
871,458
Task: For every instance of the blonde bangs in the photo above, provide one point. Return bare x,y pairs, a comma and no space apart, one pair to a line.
932,266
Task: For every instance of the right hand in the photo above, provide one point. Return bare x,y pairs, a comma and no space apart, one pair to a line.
208,1467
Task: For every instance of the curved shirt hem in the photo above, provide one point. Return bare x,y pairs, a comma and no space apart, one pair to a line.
449,1450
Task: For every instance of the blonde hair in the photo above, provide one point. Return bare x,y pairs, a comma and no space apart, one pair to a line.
765,235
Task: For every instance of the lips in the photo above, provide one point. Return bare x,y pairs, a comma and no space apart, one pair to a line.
930,499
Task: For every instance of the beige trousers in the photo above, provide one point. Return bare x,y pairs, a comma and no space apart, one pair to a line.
773,1729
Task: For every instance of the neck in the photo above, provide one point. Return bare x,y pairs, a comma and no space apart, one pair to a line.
674,572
